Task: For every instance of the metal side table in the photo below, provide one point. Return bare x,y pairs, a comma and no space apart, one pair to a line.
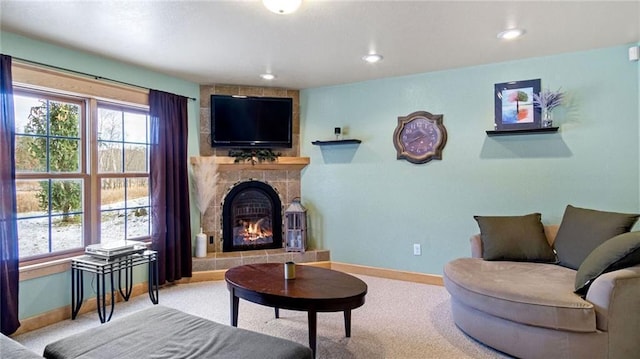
104,270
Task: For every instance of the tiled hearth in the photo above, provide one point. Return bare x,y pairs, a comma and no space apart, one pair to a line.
226,260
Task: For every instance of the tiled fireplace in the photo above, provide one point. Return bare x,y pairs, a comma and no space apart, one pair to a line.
278,182
282,177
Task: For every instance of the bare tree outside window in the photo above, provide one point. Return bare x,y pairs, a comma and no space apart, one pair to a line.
123,156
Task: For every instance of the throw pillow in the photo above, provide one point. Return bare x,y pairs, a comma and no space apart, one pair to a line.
618,252
582,230
514,238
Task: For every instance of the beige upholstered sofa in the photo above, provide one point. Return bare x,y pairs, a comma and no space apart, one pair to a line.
529,310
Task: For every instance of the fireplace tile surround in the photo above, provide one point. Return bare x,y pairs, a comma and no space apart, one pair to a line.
226,260
284,179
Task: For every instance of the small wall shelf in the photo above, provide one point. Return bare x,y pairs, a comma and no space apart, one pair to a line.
335,142
528,131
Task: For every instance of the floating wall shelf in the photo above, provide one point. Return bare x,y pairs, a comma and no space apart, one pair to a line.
335,142
528,131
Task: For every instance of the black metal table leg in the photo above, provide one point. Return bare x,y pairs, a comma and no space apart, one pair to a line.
100,296
77,291
128,279
153,279
112,290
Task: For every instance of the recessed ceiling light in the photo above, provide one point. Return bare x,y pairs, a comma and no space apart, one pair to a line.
282,7
268,76
510,34
372,58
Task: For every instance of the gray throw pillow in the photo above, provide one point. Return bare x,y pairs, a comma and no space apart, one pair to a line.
618,252
514,238
582,230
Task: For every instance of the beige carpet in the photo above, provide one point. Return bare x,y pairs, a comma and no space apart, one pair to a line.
399,320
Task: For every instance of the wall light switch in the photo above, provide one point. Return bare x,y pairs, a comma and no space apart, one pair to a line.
417,249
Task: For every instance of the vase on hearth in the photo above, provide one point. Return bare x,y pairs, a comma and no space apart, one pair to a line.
201,244
547,118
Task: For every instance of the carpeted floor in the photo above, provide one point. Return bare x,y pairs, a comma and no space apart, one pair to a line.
399,320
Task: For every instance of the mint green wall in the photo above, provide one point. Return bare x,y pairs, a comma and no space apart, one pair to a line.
369,208
56,288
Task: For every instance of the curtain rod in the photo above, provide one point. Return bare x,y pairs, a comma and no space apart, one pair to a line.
95,77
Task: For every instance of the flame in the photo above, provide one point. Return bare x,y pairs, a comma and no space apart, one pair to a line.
255,231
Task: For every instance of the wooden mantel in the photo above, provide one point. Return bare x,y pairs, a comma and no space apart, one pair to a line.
225,163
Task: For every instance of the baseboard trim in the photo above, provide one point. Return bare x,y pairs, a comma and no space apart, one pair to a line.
63,313
406,276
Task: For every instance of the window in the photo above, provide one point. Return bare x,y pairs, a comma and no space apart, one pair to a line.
50,173
80,179
123,170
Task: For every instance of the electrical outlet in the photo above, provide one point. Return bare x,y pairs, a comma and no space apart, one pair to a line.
210,239
417,249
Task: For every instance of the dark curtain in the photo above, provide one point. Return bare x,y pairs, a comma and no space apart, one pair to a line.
171,234
9,273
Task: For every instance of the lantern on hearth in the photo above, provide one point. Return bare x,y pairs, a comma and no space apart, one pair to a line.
295,227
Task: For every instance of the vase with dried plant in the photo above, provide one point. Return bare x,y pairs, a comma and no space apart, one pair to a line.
204,178
546,101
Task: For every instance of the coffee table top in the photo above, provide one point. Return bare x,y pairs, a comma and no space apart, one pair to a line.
315,288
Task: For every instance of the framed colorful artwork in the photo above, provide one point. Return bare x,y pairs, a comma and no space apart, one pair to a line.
514,105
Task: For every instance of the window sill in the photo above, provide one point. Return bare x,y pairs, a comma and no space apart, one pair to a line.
54,264
45,268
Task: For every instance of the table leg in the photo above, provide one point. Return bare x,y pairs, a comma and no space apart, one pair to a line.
77,291
234,308
128,279
277,312
312,317
113,301
347,323
153,280
100,297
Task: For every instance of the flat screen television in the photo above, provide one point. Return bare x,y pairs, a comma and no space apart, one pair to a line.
251,122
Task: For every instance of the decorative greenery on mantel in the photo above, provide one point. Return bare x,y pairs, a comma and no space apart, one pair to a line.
255,156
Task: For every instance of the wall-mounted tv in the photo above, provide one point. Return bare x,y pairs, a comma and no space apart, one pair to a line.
251,122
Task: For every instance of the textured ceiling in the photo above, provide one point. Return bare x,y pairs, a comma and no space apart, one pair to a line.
322,43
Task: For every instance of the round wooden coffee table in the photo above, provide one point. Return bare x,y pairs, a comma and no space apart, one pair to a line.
313,290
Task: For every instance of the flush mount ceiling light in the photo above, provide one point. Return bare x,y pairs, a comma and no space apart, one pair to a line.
510,34
267,76
282,6
372,58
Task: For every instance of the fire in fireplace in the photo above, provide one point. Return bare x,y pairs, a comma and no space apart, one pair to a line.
251,217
